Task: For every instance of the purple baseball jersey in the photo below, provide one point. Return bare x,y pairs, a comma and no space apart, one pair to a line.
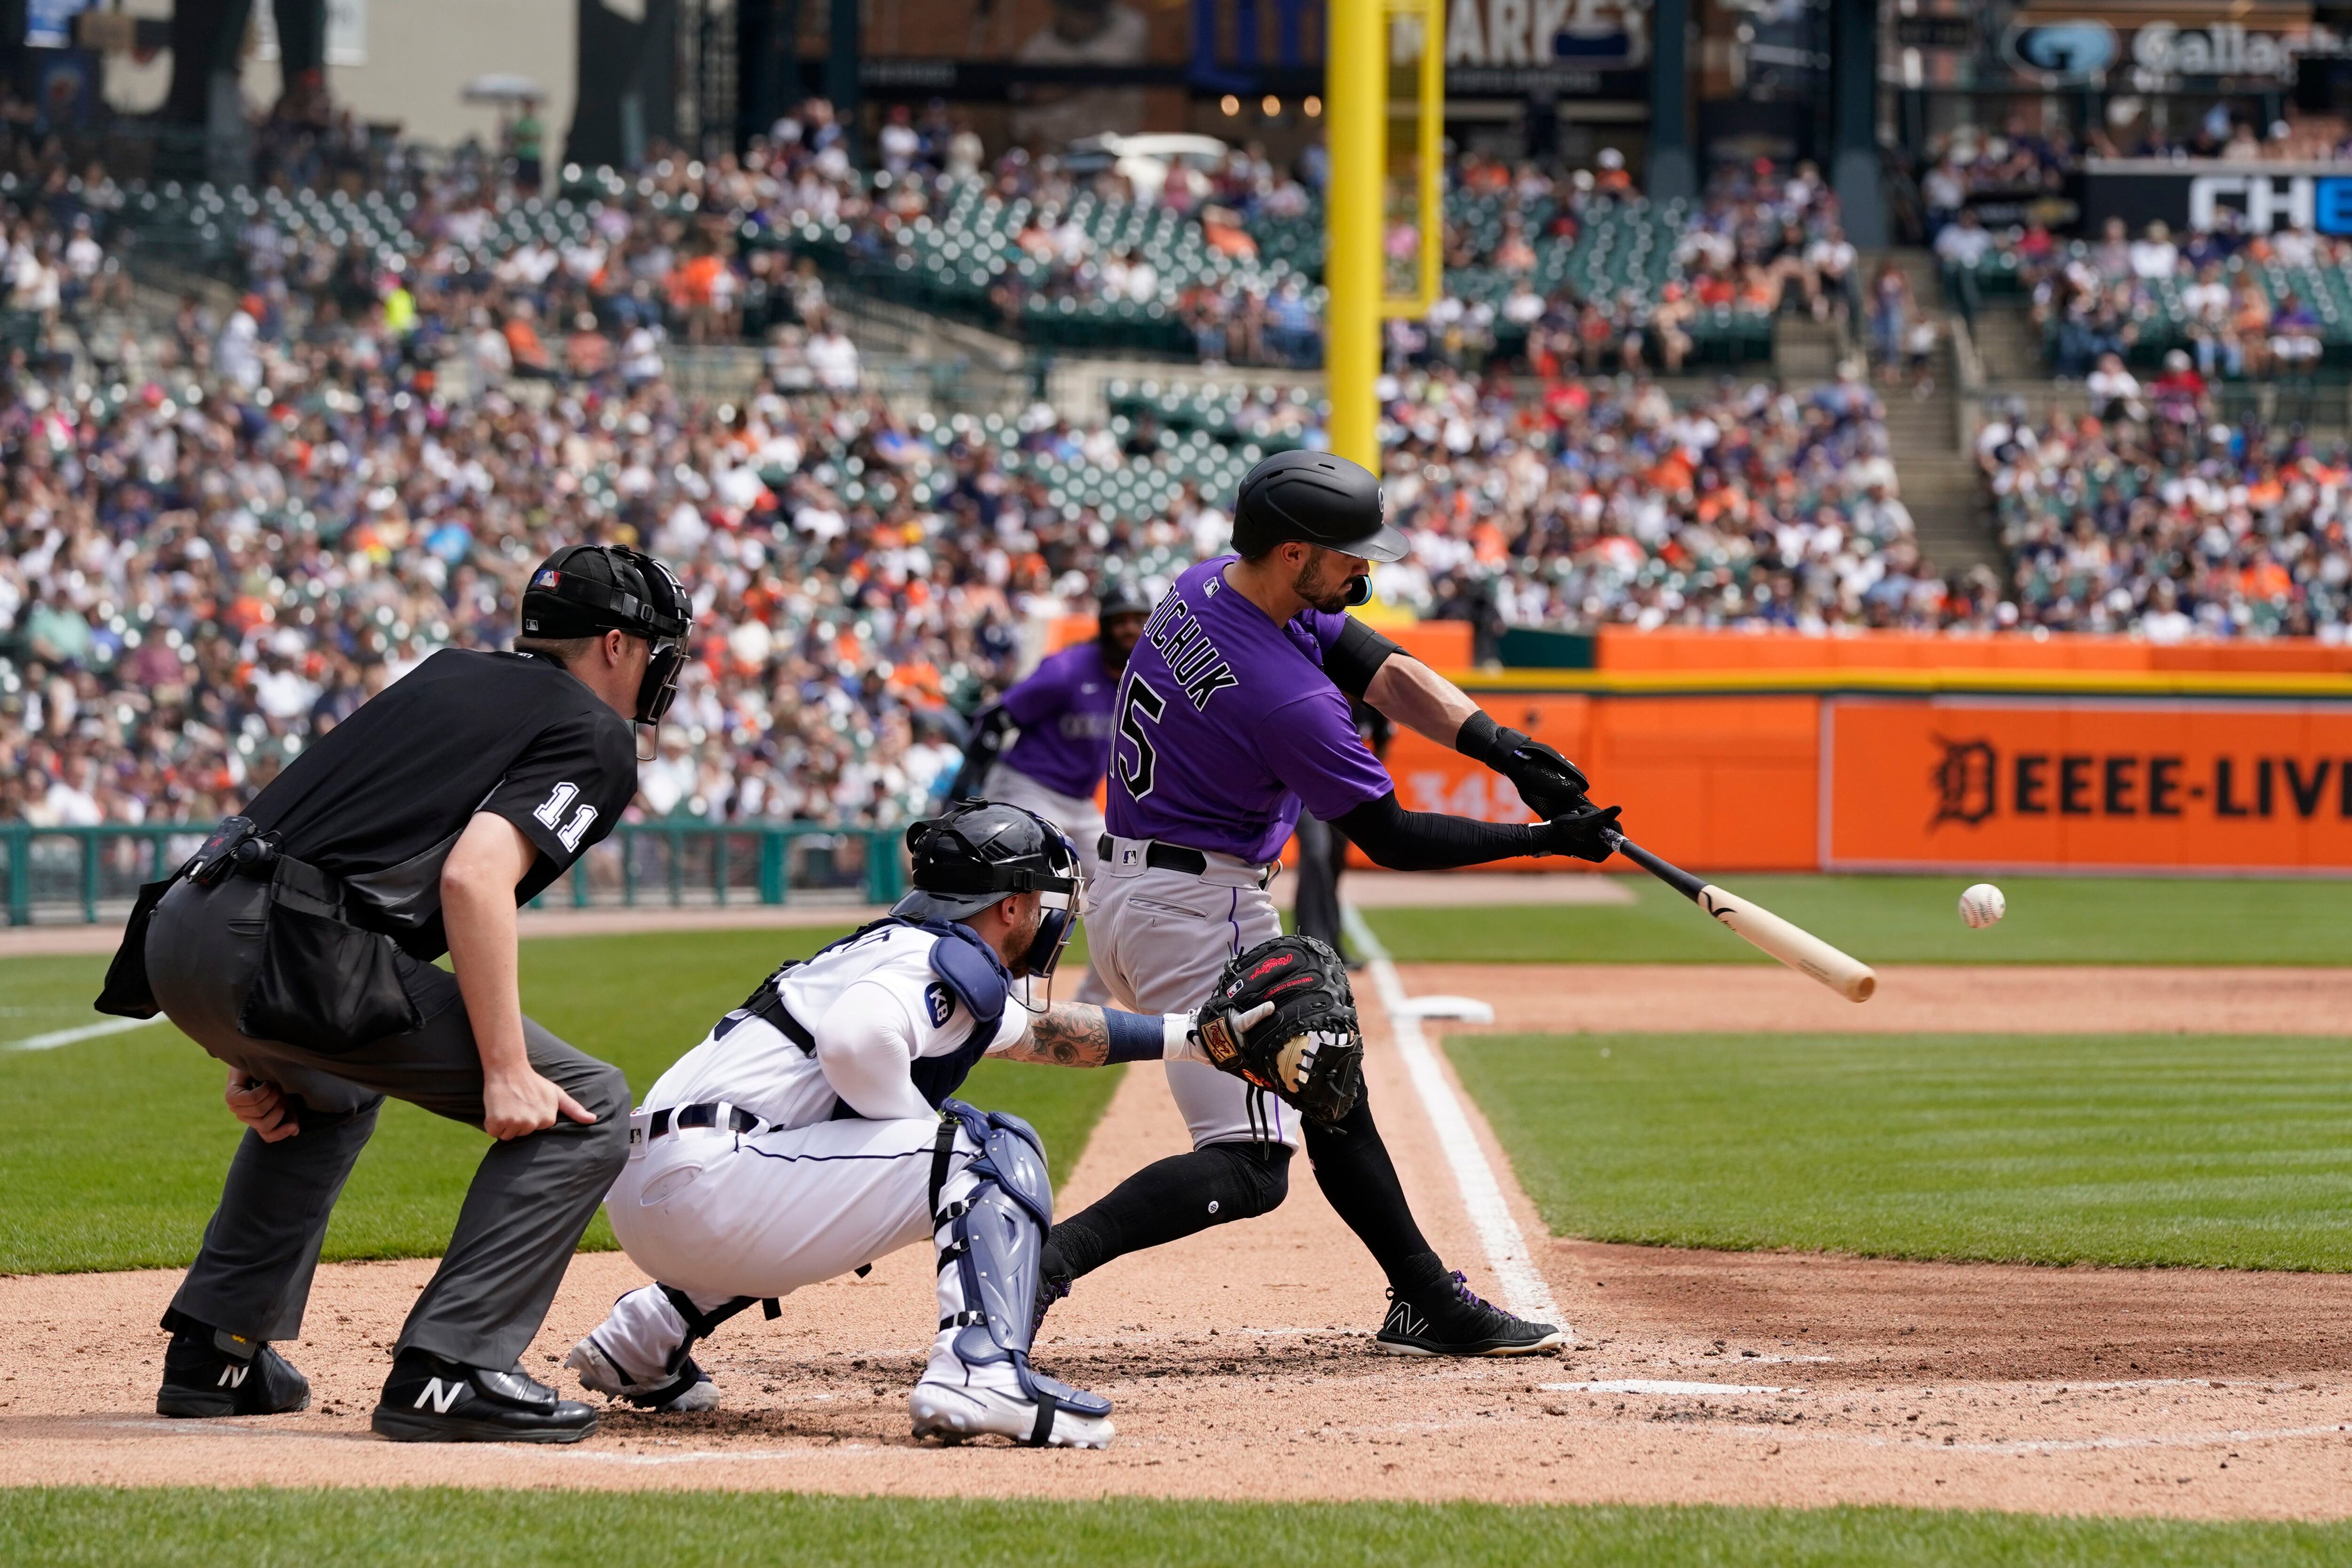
1064,710
1227,724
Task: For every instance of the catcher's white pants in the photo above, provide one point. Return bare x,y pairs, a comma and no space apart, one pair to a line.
1159,937
720,1215
1081,819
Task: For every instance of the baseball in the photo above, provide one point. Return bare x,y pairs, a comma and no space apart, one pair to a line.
1982,905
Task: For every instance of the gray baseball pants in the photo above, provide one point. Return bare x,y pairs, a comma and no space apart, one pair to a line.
531,1197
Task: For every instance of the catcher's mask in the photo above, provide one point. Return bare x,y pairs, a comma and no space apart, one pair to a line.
979,851
584,591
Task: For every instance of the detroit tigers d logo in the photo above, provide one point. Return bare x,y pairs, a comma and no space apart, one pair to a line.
1965,790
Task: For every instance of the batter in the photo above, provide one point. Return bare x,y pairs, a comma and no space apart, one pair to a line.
1233,717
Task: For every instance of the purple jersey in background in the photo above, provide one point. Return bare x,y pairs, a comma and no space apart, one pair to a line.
1227,723
1064,710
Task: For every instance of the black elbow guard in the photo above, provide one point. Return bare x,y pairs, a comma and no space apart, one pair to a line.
1357,657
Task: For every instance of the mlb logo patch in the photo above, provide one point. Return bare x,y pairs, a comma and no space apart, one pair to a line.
547,577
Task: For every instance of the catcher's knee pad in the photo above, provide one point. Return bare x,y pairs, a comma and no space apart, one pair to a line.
1245,1180
996,1236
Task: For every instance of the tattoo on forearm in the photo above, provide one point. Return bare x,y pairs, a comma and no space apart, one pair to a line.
1069,1034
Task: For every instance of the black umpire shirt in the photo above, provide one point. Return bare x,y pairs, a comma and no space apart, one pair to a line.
381,800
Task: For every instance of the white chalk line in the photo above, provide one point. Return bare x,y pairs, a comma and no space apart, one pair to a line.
1522,1284
2052,1445
1662,1385
57,1038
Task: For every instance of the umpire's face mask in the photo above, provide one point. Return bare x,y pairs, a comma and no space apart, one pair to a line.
657,688
669,615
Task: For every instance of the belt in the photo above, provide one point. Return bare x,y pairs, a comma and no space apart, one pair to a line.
1161,857
707,1113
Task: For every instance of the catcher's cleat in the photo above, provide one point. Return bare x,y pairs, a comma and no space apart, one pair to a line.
688,1390
211,1372
428,1400
1449,1319
973,1408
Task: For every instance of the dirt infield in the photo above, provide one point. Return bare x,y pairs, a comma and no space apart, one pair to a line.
1946,998
1240,1364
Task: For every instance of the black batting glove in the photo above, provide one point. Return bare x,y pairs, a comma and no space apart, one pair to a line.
1550,783
1589,832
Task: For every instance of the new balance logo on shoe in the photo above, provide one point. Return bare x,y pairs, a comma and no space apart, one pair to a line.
233,1376
1402,1321
442,1395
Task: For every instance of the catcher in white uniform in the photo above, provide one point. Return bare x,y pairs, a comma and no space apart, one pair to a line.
812,1131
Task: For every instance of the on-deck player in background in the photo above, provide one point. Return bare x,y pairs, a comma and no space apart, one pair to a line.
812,1132
1233,717
1062,711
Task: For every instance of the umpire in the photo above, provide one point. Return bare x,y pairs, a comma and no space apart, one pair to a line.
297,947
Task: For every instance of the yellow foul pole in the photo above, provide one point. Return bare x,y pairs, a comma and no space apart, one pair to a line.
1355,115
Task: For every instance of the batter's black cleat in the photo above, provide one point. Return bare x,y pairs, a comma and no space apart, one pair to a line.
1051,1287
211,1372
1448,1319
428,1400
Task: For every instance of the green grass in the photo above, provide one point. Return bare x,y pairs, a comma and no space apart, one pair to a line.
117,1146
2174,1149
1909,920
104,1528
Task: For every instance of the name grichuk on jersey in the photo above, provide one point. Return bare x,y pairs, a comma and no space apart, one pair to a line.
1227,726
933,990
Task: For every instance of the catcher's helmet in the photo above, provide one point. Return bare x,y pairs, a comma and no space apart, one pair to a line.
978,852
1317,499
583,590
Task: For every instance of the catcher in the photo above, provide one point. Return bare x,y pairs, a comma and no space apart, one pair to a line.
816,1129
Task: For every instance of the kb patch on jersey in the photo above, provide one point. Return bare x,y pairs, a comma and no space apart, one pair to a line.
938,1002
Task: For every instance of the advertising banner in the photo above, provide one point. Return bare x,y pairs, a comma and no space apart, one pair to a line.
2258,197
2075,783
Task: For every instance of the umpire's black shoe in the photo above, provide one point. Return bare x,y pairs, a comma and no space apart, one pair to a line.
1448,1319
211,1372
430,1400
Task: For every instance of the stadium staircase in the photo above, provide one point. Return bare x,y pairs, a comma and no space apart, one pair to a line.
1925,433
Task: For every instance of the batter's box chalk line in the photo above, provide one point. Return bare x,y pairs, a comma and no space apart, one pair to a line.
1460,1010
1521,1283
1662,1385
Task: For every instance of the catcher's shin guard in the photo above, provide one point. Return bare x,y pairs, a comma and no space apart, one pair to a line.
991,1219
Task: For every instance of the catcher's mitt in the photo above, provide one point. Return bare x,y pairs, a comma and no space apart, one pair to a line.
1282,1017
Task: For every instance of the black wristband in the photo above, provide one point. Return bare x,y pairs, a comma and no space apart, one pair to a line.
1483,740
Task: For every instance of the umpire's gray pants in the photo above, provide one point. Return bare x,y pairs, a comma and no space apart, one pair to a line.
531,1197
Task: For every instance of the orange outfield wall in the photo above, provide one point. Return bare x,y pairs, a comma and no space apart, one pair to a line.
2055,780
1681,649
1726,782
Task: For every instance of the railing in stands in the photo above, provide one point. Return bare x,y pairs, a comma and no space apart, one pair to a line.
92,873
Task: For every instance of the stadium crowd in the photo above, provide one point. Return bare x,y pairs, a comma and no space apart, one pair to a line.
251,517
2157,521
274,510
